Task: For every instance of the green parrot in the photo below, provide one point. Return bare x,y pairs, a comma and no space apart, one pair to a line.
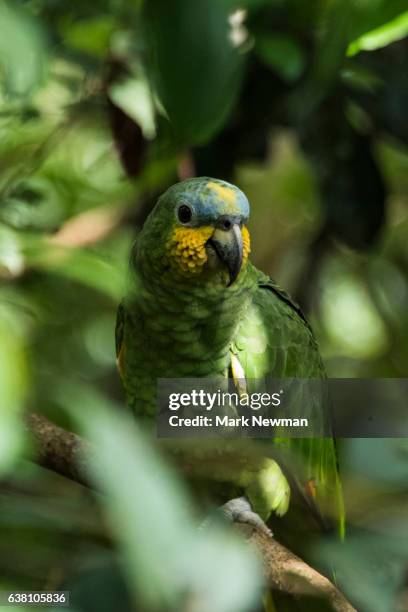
197,307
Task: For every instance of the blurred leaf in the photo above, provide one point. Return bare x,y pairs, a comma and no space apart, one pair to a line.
359,78
351,319
11,256
168,559
373,15
394,163
100,273
282,54
98,340
339,24
382,36
134,97
99,587
195,66
22,51
330,46
33,204
47,511
390,464
50,176
89,35
370,567
13,384
24,144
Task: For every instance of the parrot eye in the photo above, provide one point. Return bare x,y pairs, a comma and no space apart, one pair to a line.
184,214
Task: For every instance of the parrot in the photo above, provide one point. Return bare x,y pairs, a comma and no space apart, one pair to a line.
196,307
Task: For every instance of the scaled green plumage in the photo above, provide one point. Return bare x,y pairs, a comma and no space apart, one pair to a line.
187,319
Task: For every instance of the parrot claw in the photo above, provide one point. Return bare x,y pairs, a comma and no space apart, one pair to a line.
239,510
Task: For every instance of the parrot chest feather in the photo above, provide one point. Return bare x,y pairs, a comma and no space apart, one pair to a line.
172,333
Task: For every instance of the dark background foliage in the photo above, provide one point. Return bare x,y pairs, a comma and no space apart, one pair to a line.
102,106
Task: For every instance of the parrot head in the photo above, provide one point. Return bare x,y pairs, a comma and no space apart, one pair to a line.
197,230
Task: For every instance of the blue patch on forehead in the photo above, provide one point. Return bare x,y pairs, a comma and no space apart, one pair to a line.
210,198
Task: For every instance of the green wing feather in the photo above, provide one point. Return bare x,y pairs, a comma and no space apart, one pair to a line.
275,340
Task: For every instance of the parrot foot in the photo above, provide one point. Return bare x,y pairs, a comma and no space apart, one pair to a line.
239,510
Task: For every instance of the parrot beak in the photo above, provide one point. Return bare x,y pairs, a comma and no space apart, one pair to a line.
227,243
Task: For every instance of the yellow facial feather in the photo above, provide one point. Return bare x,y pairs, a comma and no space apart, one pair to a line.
186,248
246,243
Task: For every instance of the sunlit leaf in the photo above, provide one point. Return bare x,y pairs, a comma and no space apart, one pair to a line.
22,51
11,255
382,36
134,97
89,35
374,15
13,384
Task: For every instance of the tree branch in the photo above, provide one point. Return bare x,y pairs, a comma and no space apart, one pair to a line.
59,450
287,573
66,453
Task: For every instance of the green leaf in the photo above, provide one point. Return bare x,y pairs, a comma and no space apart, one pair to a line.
196,67
374,14
22,51
93,270
13,385
150,516
90,35
382,36
338,25
370,566
11,256
282,54
134,97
